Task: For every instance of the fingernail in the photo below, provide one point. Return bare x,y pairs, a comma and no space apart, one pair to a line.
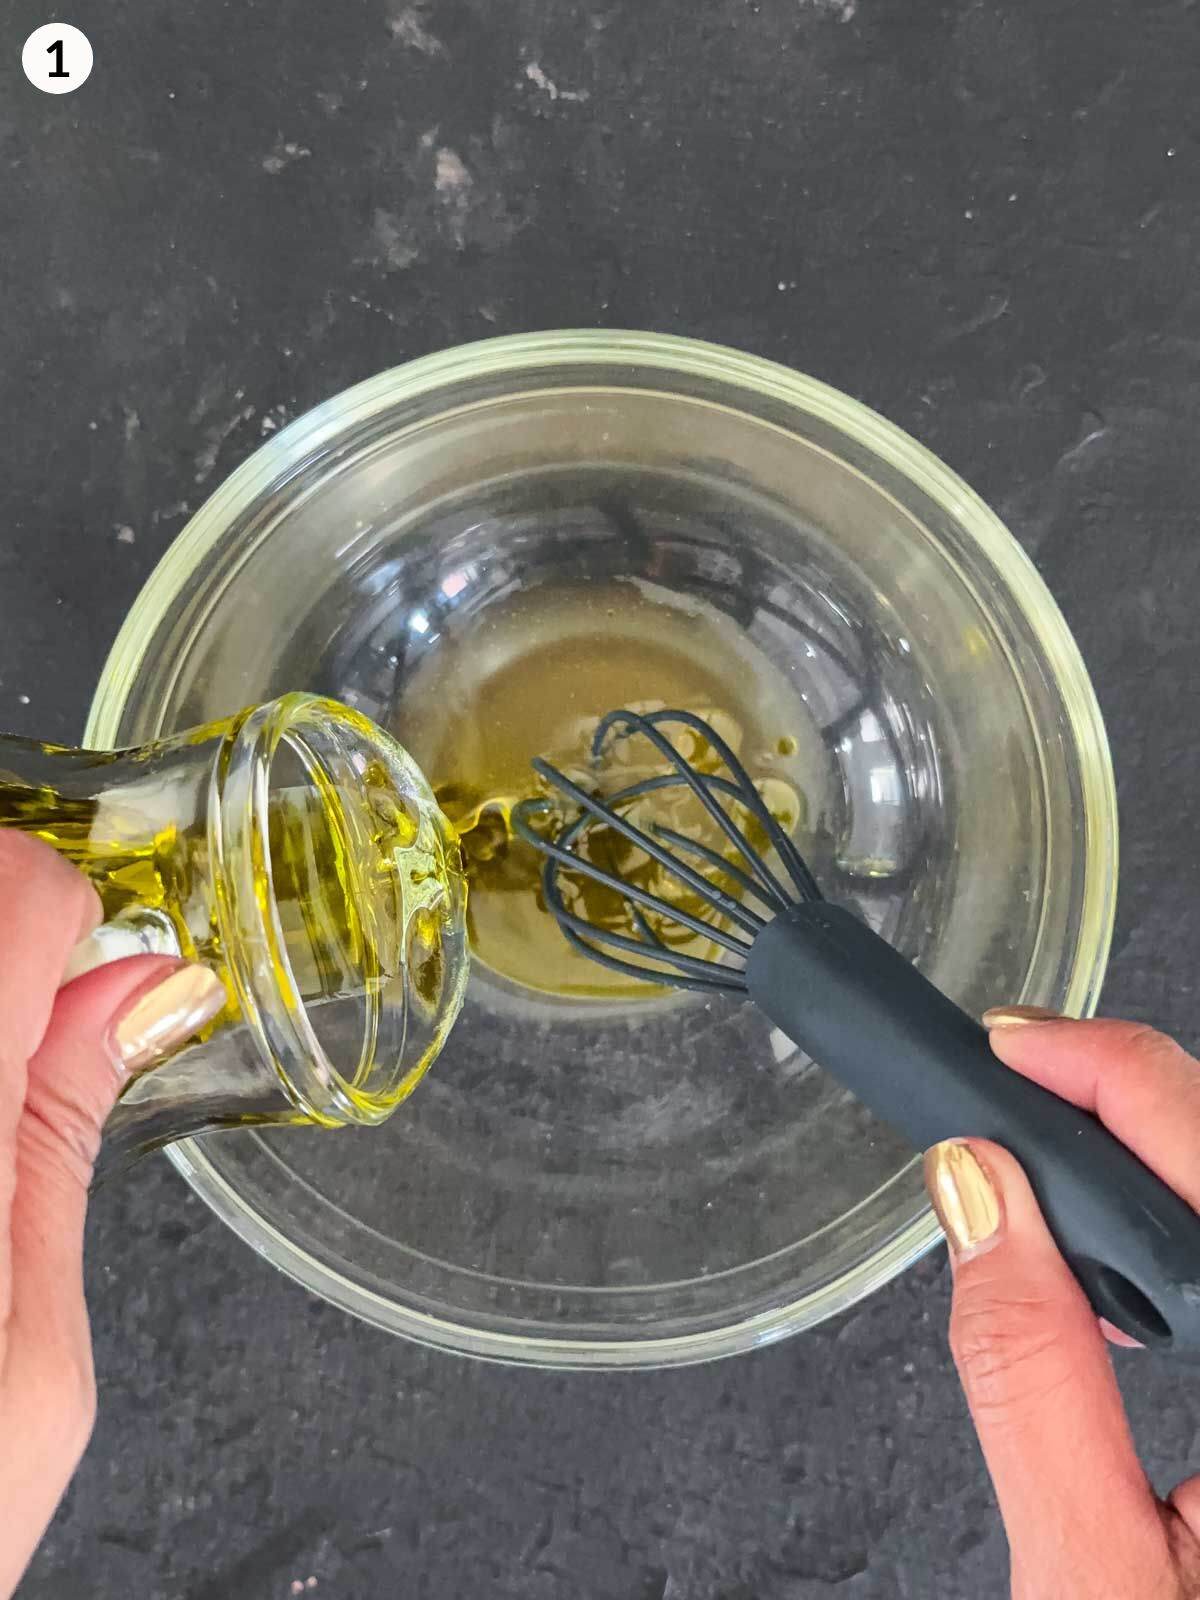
164,1016
1114,1335
1018,1016
964,1198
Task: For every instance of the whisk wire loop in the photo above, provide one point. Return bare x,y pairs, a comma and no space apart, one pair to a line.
747,793
737,924
749,921
632,969
632,722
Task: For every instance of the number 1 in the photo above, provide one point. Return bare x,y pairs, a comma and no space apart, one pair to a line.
56,50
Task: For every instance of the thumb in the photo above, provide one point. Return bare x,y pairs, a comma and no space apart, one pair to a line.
116,1020
1080,1515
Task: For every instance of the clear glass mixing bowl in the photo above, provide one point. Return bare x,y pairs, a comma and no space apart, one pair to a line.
585,1182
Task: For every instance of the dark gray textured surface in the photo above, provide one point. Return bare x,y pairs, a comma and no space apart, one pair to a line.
980,218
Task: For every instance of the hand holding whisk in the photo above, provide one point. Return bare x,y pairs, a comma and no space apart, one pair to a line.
856,1005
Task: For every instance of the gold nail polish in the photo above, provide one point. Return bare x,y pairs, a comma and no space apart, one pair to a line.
964,1198
1018,1016
165,1016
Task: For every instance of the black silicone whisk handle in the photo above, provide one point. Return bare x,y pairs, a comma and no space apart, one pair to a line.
923,1065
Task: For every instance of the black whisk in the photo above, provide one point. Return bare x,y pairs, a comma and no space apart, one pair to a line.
756,878
858,1007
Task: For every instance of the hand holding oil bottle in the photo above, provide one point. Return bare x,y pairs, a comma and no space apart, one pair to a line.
298,854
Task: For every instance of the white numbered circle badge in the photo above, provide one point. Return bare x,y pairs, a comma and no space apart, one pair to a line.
57,58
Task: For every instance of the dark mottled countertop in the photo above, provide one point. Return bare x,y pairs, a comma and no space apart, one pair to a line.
976,215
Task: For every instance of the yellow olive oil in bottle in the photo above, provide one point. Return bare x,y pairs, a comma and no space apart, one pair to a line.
298,851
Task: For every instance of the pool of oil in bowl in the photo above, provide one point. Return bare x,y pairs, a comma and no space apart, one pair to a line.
535,681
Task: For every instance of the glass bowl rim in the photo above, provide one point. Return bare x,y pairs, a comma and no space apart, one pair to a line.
520,356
